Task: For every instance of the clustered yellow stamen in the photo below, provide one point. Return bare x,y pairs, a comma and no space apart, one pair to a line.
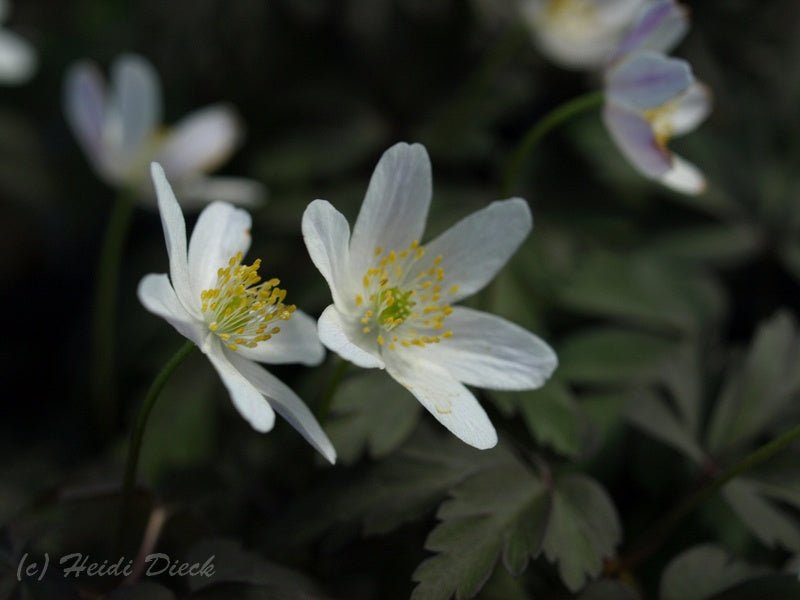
241,308
404,299
660,119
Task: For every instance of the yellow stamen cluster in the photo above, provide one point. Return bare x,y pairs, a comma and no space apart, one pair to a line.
403,299
241,308
660,119
573,15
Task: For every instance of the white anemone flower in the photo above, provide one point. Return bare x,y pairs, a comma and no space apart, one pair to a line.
121,133
579,34
651,98
17,57
231,314
393,297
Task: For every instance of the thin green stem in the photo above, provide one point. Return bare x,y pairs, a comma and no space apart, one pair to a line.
560,114
103,395
661,530
137,435
324,406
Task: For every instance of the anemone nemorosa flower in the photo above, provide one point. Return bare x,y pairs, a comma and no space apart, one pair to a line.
393,297
231,314
650,98
579,34
17,57
121,133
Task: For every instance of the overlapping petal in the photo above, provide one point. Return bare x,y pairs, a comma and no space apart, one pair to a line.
85,109
297,342
156,295
452,404
476,248
395,207
175,237
221,231
287,404
636,139
344,338
647,80
490,352
327,237
692,108
136,102
250,403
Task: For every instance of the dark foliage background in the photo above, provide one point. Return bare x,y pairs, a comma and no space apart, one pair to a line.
675,318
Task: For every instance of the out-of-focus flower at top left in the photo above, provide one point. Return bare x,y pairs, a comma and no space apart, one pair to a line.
579,34
17,57
119,128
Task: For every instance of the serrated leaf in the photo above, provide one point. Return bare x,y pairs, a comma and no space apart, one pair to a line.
754,394
371,412
772,525
652,415
645,290
608,355
582,531
703,571
509,511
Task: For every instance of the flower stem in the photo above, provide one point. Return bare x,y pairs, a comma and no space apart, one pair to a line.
560,114
661,530
137,435
105,300
324,406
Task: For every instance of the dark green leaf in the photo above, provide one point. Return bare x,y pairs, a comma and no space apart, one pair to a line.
768,522
770,587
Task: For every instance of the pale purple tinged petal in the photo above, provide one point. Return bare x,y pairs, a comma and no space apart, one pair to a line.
17,58
659,27
85,109
692,109
647,80
136,94
635,138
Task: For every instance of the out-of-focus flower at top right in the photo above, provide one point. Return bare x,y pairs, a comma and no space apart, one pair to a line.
579,34
17,57
119,128
650,97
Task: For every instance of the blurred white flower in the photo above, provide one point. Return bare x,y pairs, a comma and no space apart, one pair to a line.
392,297
121,133
579,34
17,57
233,316
650,98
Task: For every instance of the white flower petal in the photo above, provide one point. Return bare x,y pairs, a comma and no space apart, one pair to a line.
297,342
250,403
693,108
476,248
17,58
327,235
346,340
684,177
85,110
647,80
635,138
199,191
449,401
156,294
201,141
395,207
659,26
489,352
175,237
221,231
136,95
287,404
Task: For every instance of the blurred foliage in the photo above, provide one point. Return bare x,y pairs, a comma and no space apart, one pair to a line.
675,318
